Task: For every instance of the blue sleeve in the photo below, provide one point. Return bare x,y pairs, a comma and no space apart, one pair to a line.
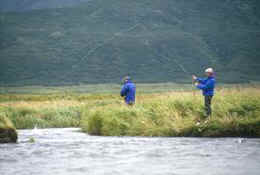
208,85
201,80
123,91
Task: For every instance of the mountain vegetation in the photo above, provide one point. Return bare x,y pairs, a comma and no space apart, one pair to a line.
153,41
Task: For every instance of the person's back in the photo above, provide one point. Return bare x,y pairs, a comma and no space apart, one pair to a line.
128,91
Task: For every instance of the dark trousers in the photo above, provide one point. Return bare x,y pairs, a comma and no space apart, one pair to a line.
208,100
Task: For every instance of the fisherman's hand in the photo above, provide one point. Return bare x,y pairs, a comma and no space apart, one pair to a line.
196,84
194,77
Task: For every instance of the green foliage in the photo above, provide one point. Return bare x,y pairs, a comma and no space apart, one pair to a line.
235,114
24,118
101,41
94,125
5,123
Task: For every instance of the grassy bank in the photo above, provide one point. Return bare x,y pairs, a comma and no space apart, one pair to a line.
236,112
56,110
27,118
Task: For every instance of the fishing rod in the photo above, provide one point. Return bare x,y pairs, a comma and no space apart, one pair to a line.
179,64
184,70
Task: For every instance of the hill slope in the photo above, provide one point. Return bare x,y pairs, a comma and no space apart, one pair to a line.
27,5
152,40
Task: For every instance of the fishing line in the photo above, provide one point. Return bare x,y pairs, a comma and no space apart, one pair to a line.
178,64
92,51
184,70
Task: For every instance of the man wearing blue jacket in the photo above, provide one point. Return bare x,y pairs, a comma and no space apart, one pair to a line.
207,85
128,91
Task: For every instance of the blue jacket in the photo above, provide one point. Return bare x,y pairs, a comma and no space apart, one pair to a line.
207,85
128,91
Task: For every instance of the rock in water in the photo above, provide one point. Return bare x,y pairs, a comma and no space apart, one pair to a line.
8,133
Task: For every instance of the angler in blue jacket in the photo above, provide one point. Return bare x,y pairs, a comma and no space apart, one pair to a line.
128,91
207,86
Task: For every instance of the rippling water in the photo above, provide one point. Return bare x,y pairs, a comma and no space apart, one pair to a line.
68,151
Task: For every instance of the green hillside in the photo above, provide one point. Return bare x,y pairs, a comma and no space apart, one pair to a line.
151,40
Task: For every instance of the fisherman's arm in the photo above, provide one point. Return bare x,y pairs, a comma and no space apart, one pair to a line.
209,84
200,80
123,91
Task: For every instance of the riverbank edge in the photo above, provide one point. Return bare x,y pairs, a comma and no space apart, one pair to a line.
199,130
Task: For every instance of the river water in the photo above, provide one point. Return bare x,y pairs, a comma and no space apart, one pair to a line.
70,152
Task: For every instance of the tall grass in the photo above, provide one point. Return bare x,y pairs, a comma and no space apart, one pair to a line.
235,113
44,118
49,110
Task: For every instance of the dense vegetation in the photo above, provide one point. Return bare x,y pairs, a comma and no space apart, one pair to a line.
154,41
236,113
175,113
